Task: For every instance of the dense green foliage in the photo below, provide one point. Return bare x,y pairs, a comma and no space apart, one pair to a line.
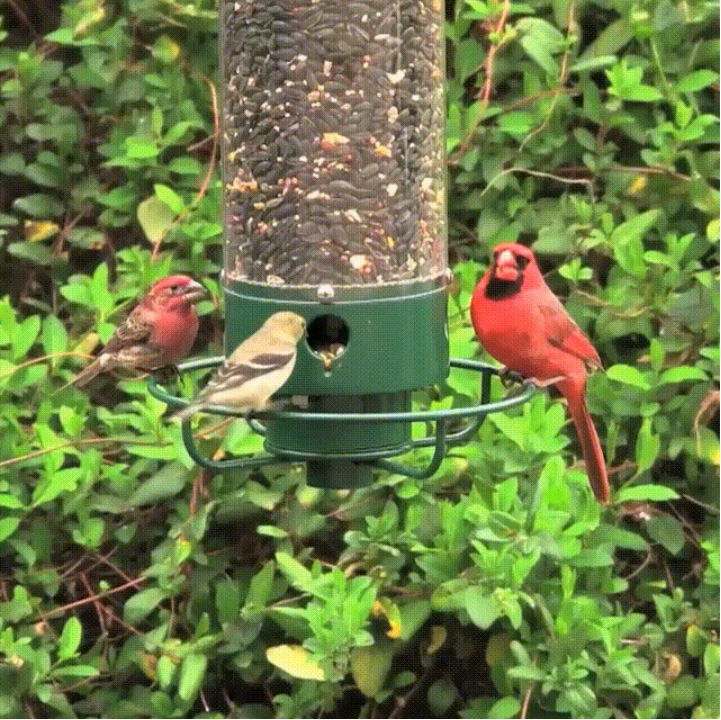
498,588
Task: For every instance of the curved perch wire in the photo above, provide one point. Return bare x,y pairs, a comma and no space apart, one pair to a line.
440,440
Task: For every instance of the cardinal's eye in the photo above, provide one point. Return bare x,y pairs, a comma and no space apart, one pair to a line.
521,262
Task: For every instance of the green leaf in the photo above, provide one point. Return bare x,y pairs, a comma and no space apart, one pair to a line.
185,166
648,445
667,531
10,501
76,671
527,672
54,338
610,40
12,163
8,525
192,673
621,538
25,335
227,600
370,666
628,375
165,671
540,54
176,132
65,480
468,58
140,605
271,531
593,63
711,659
77,292
544,31
441,695
482,608
413,615
507,707
294,660
156,452
170,198
35,252
695,81
39,205
654,493
156,218
514,428
297,574
140,149
641,93
70,637
261,586
682,373
635,227
682,693
165,483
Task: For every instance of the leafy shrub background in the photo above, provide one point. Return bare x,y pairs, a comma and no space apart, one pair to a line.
496,589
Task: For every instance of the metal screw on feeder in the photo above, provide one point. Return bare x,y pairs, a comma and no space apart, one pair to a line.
334,180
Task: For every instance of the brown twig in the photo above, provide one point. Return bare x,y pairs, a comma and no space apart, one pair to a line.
526,701
208,174
709,405
402,702
213,151
91,598
104,560
24,18
99,607
75,443
492,50
561,83
487,84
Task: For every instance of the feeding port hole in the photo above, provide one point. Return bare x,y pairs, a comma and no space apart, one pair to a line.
327,337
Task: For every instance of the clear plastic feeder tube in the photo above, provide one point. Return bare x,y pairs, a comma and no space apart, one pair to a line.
333,141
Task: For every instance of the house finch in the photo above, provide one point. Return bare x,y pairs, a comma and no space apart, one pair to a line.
158,333
522,324
257,368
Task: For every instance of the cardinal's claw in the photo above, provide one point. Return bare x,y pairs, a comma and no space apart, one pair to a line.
510,377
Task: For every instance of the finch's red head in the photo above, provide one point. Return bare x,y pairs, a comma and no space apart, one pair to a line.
175,291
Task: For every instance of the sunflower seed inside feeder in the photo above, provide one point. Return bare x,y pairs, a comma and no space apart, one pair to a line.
333,140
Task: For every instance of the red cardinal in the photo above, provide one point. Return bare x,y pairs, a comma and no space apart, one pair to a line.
522,324
158,333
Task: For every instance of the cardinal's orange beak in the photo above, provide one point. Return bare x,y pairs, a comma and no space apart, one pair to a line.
505,266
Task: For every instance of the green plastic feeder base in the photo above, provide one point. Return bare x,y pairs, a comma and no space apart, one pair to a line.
338,474
383,338
365,349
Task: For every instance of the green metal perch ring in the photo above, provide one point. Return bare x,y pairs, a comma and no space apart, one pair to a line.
440,441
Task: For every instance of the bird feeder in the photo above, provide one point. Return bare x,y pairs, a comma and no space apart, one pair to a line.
334,176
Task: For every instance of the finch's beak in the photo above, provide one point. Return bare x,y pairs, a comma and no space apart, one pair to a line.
505,267
194,291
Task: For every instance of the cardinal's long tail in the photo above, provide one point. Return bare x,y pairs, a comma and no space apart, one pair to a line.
590,445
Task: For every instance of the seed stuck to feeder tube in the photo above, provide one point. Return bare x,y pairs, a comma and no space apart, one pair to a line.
334,207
